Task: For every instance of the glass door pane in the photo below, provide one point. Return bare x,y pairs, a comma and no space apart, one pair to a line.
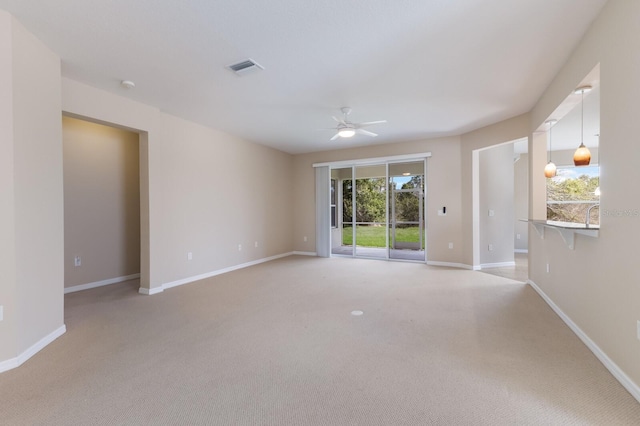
342,211
406,211
371,211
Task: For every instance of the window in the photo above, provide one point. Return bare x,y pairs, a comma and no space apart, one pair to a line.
334,221
573,193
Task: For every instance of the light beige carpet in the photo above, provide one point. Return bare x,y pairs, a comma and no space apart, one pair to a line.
276,344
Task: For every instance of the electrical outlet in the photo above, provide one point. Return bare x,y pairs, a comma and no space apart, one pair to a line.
2,314
517,236
239,247
189,256
490,247
77,261
304,239
548,269
637,331
492,213
255,244
450,245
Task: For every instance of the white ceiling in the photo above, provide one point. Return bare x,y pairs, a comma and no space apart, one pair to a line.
431,68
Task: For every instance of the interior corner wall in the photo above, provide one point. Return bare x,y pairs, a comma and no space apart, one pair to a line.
101,202
521,203
8,327
209,193
145,234
443,189
32,289
537,181
596,284
495,134
496,196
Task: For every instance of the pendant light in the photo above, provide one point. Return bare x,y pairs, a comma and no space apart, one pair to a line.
582,156
550,168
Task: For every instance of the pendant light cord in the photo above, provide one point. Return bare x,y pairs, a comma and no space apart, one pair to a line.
550,146
582,120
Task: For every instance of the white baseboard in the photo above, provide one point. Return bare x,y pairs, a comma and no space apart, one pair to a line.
191,279
449,264
613,368
100,283
150,291
305,253
497,265
31,351
525,251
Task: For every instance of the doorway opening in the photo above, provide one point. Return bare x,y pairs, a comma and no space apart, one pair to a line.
102,208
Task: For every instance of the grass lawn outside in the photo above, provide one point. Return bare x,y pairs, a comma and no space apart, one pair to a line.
373,236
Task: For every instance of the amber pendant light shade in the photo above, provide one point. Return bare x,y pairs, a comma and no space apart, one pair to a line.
550,170
582,156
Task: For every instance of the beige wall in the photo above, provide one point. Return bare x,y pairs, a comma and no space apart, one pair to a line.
209,192
538,159
495,134
101,202
443,189
596,285
31,288
496,194
218,192
8,327
521,202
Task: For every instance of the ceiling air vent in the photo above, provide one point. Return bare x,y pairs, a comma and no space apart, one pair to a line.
245,67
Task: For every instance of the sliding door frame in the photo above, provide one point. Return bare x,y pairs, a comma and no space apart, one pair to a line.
323,222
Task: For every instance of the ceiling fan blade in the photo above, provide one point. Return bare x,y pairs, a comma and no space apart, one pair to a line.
366,132
339,120
370,123
336,136
325,128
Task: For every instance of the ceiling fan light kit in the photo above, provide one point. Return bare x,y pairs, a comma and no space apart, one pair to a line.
346,132
347,129
127,84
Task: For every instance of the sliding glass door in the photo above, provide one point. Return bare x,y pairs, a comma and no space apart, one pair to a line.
342,211
377,210
406,198
370,211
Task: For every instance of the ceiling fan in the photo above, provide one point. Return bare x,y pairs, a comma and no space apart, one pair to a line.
347,129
